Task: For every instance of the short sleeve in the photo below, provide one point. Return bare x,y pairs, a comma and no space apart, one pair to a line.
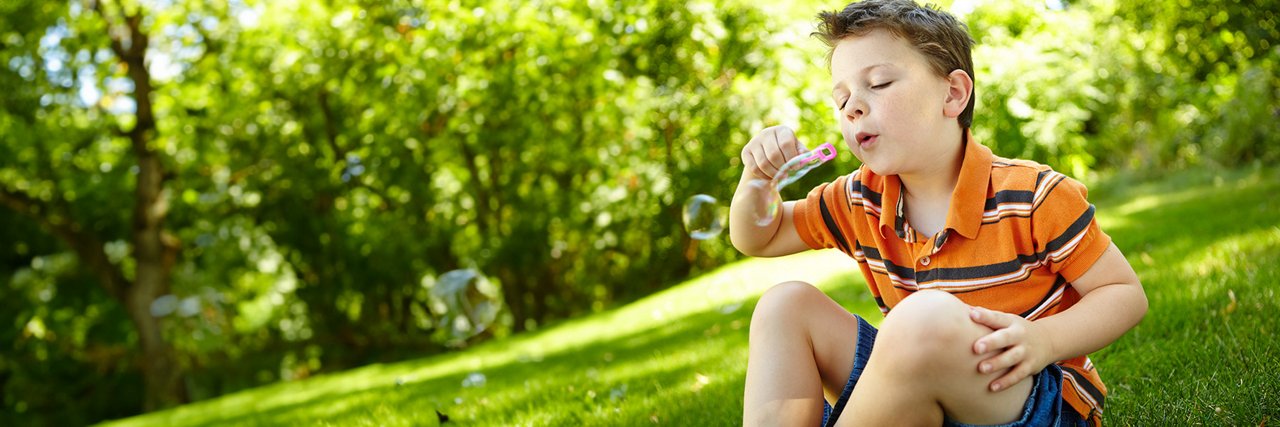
1066,233
809,221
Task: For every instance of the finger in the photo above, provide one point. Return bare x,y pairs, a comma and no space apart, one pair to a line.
1011,378
764,168
749,162
1007,337
1011,357
788,143
773,150
752,167
991,319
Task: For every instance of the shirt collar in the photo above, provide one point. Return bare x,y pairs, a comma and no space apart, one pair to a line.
891,220
968,200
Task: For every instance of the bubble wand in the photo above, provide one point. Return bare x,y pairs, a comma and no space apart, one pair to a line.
790,172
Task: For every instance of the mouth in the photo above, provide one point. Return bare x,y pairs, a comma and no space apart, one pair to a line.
864,139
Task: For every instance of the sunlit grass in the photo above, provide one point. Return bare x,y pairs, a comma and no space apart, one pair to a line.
1207,248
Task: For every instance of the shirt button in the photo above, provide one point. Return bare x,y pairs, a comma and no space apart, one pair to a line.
924,261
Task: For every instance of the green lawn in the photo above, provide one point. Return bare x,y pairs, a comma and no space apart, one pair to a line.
1206,245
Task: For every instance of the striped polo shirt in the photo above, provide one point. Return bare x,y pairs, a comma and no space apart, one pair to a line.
1017,233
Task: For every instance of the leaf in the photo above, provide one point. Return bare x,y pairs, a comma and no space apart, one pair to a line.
442,417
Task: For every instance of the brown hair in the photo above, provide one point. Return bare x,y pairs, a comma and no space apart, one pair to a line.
942,38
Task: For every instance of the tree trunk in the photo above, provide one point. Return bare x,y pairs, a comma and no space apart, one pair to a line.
154,250
161,373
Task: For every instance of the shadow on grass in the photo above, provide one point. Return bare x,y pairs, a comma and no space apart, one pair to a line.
1182,219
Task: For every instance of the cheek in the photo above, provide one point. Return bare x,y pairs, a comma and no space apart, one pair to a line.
916,103
846,133
846,130
891,106
902,101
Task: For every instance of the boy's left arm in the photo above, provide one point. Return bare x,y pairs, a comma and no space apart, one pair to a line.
1111,302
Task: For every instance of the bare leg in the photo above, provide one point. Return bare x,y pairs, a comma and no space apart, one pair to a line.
923,369
802,345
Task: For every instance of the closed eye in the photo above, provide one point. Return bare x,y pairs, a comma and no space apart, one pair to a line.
882,85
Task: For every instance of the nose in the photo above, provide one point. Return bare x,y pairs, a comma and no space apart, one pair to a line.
854,109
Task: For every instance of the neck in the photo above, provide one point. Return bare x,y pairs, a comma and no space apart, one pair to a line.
937,183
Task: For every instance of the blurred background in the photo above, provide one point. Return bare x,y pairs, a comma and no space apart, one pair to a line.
198,197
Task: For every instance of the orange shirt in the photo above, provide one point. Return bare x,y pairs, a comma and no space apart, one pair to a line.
1017,234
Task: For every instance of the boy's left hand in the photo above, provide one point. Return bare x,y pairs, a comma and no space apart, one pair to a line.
1025,350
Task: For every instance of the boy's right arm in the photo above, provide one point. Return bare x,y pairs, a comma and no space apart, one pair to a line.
761,159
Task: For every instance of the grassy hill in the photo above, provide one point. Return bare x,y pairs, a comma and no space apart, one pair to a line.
1206,245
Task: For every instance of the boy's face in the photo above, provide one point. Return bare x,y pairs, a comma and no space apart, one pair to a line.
891,105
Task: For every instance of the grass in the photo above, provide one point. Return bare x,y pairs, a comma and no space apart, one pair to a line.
1208,251
1206,245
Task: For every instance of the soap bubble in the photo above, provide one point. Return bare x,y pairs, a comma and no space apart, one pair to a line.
764,201
474,379
702,217
470,303
189,306
766,194
164,305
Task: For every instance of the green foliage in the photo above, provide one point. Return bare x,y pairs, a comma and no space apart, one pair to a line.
327,161
1132,85
1042,105
1193,84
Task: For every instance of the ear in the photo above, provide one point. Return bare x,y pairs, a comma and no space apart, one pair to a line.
959,89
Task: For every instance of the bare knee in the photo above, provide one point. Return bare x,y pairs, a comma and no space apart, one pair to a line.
784,302
922,311
925,331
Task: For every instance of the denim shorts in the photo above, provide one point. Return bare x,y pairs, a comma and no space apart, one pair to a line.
1043,408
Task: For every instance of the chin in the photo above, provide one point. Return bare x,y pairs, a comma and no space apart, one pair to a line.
885,170
877,167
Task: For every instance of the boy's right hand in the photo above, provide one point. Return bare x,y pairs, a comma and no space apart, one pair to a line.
769,150
761,158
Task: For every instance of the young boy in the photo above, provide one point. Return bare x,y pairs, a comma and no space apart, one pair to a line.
994,278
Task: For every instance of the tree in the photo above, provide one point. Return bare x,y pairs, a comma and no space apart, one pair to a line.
300,173
153,249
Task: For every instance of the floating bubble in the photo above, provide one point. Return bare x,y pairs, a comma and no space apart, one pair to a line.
164,305
474,379
765,201
730,308
618,393
702,217
471,302
767,193
189,306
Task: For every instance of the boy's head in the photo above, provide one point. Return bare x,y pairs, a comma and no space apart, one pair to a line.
941,38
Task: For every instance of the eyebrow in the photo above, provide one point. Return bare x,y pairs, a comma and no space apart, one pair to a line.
865,70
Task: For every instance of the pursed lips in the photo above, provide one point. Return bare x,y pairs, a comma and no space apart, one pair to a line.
865,139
